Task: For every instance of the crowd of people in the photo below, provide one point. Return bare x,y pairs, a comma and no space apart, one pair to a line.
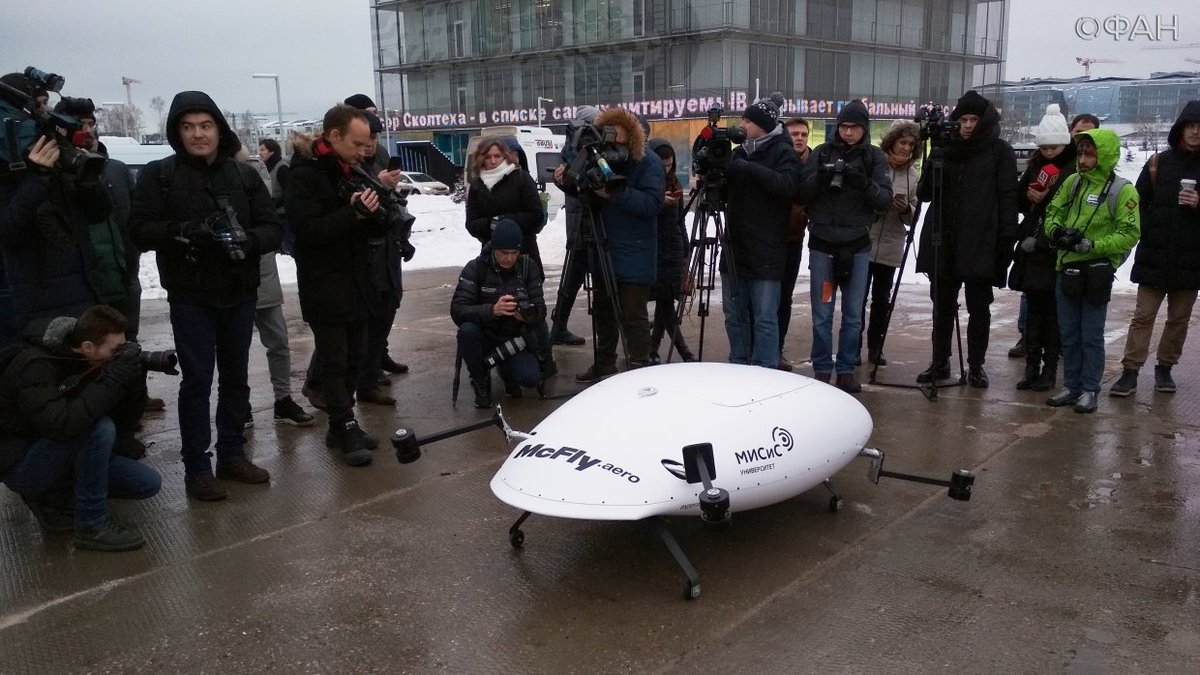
73,377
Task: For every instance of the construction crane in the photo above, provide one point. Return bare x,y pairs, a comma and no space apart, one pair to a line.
1087,61
128,82
1190,45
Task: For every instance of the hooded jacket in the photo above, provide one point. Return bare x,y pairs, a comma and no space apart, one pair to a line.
1072,207
482,282
890,229
672,237
182,189
762,187
977,212
1035,271
1168,255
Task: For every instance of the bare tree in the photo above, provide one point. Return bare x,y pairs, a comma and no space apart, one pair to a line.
158,105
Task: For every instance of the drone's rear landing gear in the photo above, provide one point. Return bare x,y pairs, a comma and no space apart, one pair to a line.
515,536
692,591
835,502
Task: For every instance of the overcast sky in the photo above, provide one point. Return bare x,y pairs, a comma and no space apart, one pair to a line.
322,48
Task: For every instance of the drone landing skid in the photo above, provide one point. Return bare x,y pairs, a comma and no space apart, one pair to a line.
960,482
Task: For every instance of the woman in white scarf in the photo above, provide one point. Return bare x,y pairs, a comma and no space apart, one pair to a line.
502,189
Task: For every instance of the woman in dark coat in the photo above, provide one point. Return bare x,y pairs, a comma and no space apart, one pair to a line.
672,259
501,189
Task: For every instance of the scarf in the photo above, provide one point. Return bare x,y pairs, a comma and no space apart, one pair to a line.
322,148
492,176
753,144
899,161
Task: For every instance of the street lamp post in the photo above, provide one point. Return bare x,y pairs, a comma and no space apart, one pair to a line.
278,105
540,115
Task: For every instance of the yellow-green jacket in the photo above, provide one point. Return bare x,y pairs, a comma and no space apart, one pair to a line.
1081,208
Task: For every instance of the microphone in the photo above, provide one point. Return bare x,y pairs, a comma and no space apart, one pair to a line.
1045,177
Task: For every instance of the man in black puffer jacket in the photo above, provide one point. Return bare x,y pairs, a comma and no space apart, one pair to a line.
1167,262
182,208
977,217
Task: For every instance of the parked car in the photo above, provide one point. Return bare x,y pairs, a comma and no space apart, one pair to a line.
1023,151
412,182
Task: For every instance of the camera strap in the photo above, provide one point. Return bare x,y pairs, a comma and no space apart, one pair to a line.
1075,190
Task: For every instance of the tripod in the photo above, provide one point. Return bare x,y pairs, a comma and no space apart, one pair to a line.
935,162
705,257
599,260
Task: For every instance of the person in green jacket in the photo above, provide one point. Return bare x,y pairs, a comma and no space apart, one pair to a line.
1094,231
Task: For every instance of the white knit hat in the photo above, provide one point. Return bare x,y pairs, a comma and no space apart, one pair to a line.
1053,129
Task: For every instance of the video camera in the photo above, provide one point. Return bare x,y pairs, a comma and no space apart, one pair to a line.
597,155
713,148
1065,238
934,126
395,206
22,121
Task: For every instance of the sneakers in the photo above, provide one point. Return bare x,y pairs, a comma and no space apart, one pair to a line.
1086,402
314,396
109,537
977,377
288,411
204,486
348,438
935,371
1018,350
847,383
55,514
241,470
595,374
1126,384
392,366
1063,398
482,386
1162,379
375,395
565,337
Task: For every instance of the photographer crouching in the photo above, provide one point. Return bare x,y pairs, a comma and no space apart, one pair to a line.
497,305
63,402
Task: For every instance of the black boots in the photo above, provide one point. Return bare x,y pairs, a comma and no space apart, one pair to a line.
482,386
1049,377
1033,371
935,371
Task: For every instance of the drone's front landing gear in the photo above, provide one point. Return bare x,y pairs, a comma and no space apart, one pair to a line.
835,502
693,578
515,536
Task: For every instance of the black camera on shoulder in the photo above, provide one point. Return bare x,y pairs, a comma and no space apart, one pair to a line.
597,159
934,126
1065,238
714,146
22,122
395,206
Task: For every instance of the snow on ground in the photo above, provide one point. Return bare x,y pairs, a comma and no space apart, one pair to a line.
441,239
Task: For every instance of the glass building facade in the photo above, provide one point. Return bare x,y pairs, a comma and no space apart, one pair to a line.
458,65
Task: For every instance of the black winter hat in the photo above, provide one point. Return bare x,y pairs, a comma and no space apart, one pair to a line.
855,112
360,101
374,123
507,236
971,103
20,83
79,108
763,113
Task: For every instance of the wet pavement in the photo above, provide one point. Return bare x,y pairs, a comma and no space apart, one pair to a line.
1080,551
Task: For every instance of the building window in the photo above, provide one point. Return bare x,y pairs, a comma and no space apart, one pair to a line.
458,47
639,18
639,85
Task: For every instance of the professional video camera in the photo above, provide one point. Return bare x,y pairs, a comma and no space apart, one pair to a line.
394,204
229,233
597,158
23,121
713,148
1065,238
934,126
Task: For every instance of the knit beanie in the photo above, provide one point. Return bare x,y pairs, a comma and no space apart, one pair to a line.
764,114
971,103
586,113
79,108
855,112
507,236
1053,129
360,101
374,123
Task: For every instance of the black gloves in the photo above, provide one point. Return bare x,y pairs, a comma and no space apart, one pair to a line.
407,251
126,365
856,179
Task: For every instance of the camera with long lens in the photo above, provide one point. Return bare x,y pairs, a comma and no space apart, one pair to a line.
230,233
597,158
837,175
1065,238
505,350
934,125
713,148
22,121
160,362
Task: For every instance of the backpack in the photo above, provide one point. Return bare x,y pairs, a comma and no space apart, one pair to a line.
1112,197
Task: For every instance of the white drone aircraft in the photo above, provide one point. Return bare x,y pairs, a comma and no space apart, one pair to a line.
616,451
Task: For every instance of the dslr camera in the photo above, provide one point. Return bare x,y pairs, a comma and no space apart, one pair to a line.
597,158
837,175
934,126
165,361
1065,238
525,308
24,122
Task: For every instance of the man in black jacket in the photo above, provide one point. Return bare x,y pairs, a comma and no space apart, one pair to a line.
1167,262
764,175
335,217
499,298
208,217
977,218
61,403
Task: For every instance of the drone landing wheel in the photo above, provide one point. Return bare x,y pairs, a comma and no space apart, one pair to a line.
835,504
517,539
692,592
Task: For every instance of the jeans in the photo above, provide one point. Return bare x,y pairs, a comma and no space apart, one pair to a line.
854,291
206,337
979,322
96,471
1174,332
343,348
752,320
1081,326
787,287
474,346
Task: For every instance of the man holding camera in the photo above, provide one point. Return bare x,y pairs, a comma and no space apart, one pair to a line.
208,217
336,216
976,218
497,305
763,174
847,182
62,402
